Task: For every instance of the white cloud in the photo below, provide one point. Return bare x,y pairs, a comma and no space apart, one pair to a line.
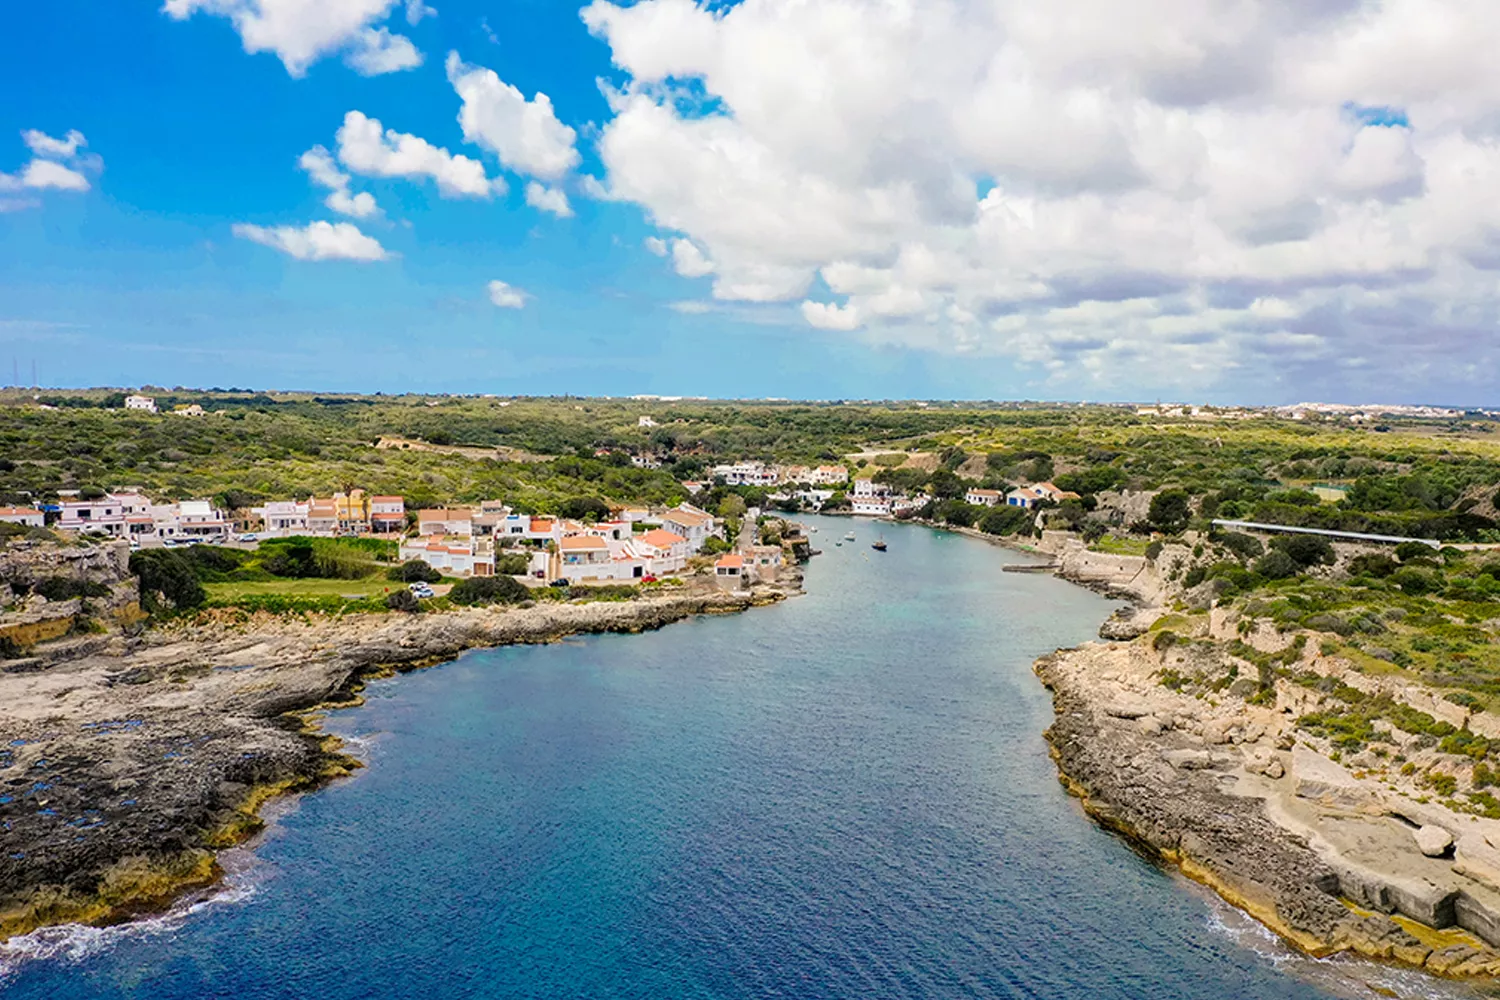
44,174
376,51
364,148
830,316
525,135
1099,190
689,261
42,144
416,10
300,32
506,296
691,307
323,171
316,241
547,199
656,245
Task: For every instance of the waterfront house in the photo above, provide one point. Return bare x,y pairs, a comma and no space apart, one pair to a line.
870,506
189,521
729,570
870,488
1050,492
691,523
983,498
1023,496
322,517
584,556
828,475
763,562
664,551
454,555
22,515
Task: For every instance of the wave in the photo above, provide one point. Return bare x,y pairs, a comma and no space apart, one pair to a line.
1344,976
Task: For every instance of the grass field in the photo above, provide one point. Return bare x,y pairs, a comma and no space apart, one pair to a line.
1115,545
369,586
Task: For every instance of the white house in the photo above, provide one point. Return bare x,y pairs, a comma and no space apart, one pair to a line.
190,521
645,422
747,474
387,514
691,523
445,521
828,475
322,517
103,516
645,461
870,506
191,410
455,555
729,570
870,488
22,515
144,403
983,498
283,517
1024,496
664,551
1051,492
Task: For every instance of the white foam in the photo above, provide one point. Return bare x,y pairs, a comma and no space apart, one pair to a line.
1340,975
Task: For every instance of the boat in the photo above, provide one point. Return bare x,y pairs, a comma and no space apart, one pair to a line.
838,544
878,546
849,537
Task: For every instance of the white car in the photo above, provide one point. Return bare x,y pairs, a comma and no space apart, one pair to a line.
250,537
422,590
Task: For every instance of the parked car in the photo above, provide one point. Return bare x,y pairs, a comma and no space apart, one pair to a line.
249,536
420,589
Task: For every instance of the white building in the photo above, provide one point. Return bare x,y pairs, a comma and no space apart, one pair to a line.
105,516
828,475
22,515
665,551
645,422
144,403
445,521
454,555
1023,496
387,514
870,488
190,521
283,517
691,523
747,474
645,461
984,498
870,506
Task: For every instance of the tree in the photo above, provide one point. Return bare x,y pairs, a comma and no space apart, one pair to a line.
946,485
167,580
488,590
413,571
732,507
583,509
1169,511
956,512
1307,550
403,600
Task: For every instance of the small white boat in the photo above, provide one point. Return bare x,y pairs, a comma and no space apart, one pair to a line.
849,537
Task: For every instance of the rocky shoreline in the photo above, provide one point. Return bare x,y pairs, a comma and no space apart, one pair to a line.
1231,792
127,763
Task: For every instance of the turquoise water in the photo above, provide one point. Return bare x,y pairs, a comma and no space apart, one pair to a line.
844,796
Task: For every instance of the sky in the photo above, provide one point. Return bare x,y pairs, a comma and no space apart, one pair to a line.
1227,201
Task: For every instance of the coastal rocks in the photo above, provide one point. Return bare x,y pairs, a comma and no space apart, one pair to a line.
1433,841
1128,623
1264,762
1321,780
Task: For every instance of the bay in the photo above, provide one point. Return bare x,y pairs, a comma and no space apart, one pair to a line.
843,796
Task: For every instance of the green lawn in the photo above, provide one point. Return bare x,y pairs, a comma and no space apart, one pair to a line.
1115,545
370,585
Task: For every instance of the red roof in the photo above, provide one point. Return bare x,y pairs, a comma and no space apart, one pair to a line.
13,511
731,561
661,538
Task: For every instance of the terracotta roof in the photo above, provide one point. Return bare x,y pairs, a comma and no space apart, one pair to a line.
687,517
13,511
378,516
984,493
540,524
661,538
444,514
584,542
387,500
731,561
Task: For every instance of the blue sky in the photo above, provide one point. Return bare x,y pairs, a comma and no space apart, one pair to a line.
769,199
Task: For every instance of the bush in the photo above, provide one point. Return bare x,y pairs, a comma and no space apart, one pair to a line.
402,600
167,580
1153,551
1408,550
1372,564
512,564
488,590
1307,550
956,512
1242,545
1416,582
1005,520
413,571
62,588
1276,565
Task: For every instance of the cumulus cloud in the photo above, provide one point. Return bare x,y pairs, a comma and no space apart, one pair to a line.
1103,191
300,32
548,199
830,316
376,51
416,10
689,261
56,165
525,135
506,296
365,148
323,171
315,241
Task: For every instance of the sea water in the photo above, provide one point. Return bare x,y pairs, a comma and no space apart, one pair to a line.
843,796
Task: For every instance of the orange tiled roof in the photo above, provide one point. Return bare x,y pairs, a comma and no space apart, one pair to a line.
584,542
731,561
661,538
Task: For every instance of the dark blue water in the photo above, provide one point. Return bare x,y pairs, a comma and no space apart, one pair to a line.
845,796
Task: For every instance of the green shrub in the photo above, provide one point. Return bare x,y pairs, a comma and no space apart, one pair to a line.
1153,551
1415,582
1413,550
62,588
413,571
488,590
1276,565
512,564
1372,564
1307,550
1242,545
167,580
